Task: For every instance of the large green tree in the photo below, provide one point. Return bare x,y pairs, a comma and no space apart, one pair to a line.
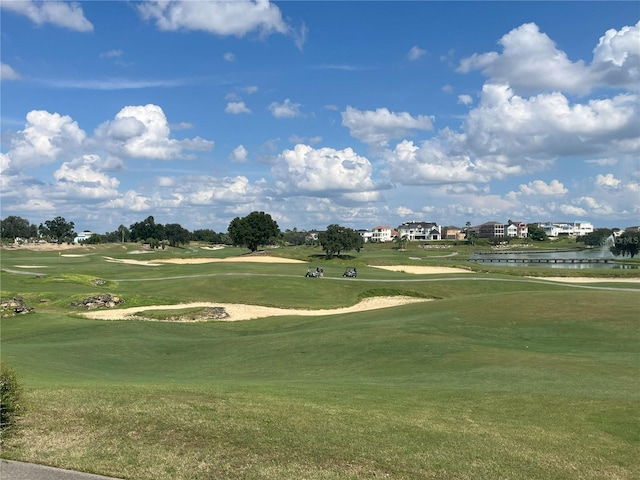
294,237
58,230
627,244
17,227
257,228
337,239
176,234
536,233
595,238
147,231
208,235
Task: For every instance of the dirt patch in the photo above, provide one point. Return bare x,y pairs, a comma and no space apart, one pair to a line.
421,269
239,312
15,306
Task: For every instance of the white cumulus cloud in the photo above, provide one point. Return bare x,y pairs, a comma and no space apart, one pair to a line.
380,126
539,187
465,99
305,169
61,14
228,18
239,154
415,53
236,108
142,131
530,61
616,58
286,109
548,125
82,179
8,73
432,162
608,181
46,137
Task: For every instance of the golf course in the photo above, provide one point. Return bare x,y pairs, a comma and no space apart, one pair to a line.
425,366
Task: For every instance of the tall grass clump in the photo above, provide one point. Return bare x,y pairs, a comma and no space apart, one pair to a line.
12,404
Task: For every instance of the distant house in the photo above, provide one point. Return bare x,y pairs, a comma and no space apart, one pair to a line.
453,233
424,231
366,235
312,236
490,230
382,233
570,229
81,237
516,230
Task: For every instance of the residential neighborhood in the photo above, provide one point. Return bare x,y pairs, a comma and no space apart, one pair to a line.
431,231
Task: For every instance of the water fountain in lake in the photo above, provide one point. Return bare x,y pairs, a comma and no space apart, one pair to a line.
607,243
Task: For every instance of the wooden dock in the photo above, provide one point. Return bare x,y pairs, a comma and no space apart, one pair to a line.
541,260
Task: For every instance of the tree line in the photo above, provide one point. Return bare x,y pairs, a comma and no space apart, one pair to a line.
252,231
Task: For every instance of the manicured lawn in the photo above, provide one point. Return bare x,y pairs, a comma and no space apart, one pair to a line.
492,379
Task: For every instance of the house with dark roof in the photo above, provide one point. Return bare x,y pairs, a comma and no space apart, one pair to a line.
420,231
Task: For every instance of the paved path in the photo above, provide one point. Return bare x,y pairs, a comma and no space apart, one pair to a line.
10,470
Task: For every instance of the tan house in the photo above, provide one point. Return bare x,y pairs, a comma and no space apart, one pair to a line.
453,233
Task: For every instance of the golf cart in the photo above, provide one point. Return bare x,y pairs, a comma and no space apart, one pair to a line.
350,272
316,272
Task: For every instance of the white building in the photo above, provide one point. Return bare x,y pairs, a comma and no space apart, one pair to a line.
516,230
570,229
81,237
382,233
425,231
366,235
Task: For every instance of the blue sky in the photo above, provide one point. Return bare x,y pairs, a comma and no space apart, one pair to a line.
356,113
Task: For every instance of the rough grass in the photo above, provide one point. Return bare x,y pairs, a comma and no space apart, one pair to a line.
500,378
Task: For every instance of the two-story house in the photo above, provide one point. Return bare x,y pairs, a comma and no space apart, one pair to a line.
424,231
382,233
516,230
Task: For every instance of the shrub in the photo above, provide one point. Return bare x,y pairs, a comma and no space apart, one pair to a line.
12,403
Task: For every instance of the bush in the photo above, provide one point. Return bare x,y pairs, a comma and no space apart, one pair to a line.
12,403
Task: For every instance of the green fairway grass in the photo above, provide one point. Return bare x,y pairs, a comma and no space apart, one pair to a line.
497,377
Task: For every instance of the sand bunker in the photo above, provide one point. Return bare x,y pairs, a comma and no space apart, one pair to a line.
45,247
249,312
31,266
145,263
193,261
255,259
589,279
421,269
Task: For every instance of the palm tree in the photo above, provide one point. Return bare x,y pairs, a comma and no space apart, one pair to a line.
401,241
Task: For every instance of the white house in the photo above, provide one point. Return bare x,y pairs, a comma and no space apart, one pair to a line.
382,233
571,229
412,231
516,230
81,237
366,235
